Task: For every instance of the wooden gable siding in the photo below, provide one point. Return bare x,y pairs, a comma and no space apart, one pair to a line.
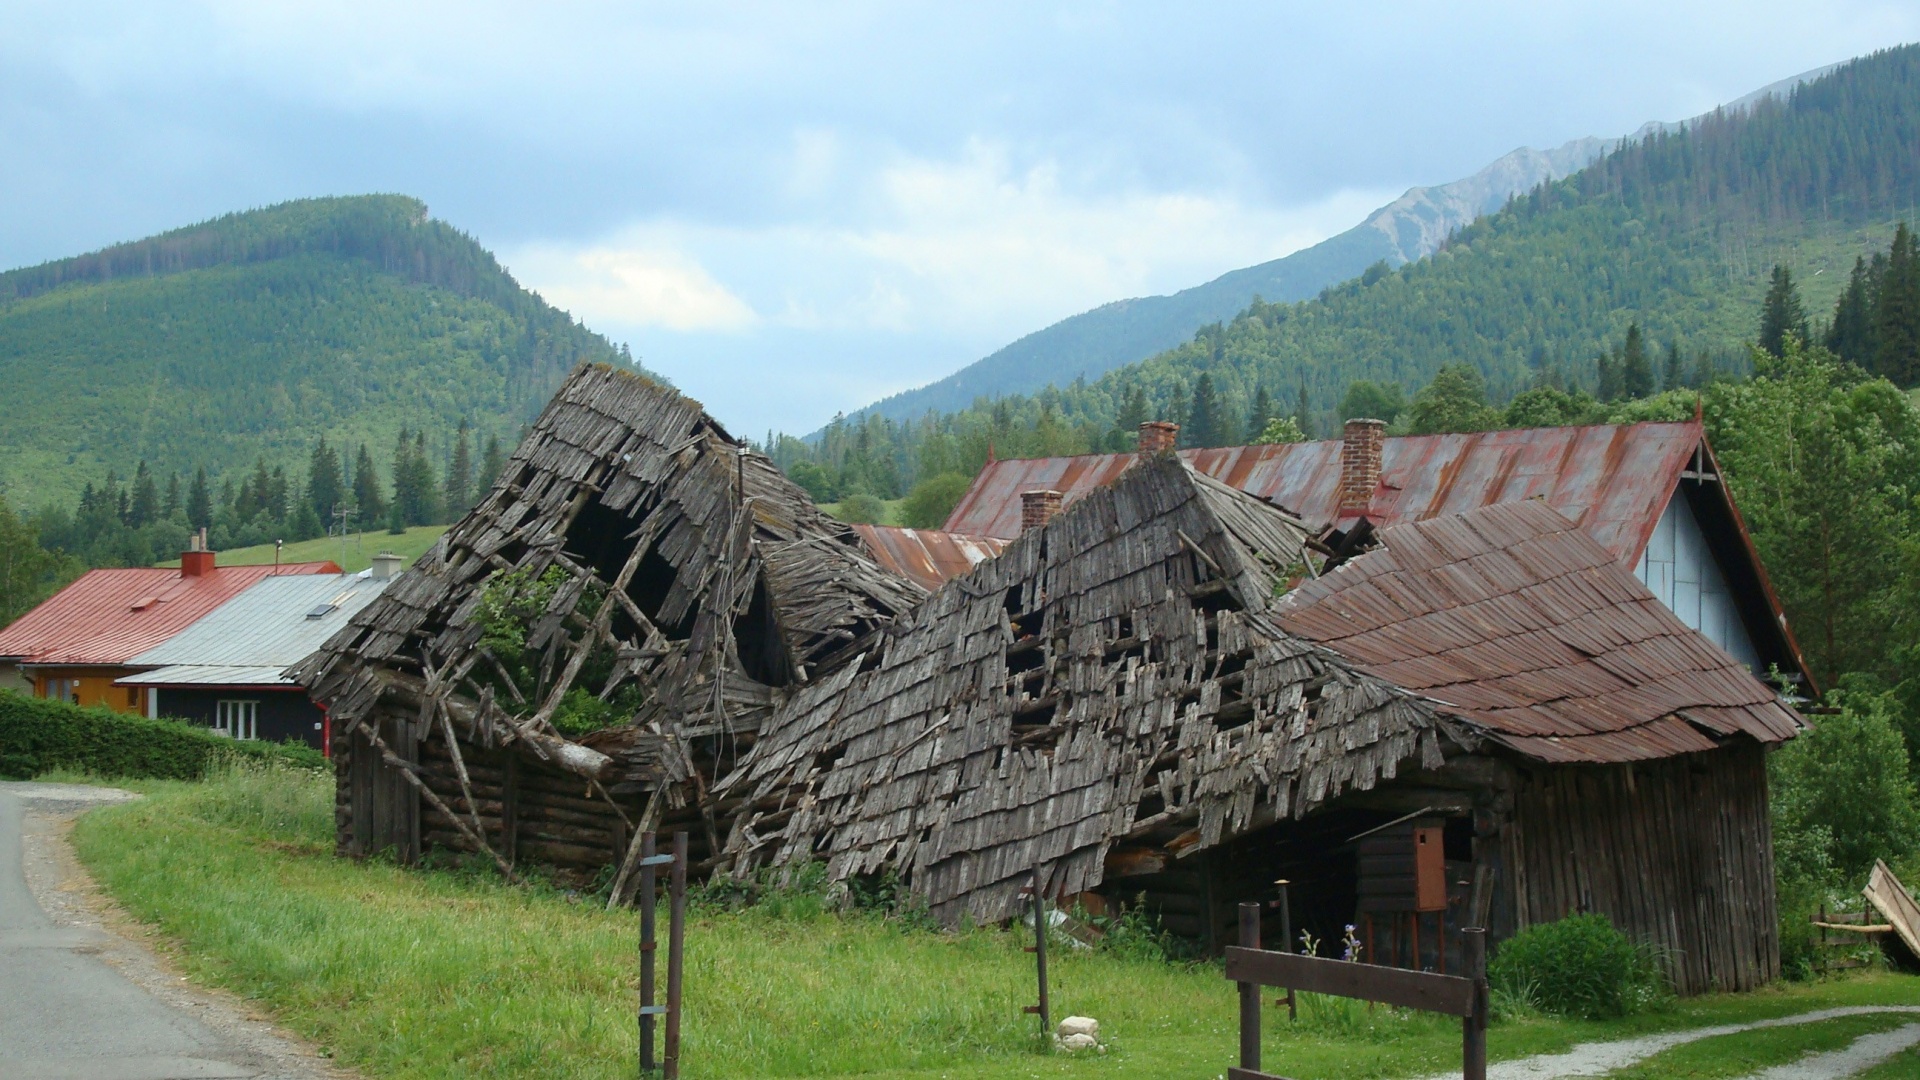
1677,853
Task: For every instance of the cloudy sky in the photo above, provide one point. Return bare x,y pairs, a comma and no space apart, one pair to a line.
796,209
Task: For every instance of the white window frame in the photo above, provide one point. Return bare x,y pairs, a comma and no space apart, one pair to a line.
237,719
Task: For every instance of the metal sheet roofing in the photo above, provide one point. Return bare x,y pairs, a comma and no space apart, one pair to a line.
928,556
1516,620
209,675
264,629
95,620
1612,480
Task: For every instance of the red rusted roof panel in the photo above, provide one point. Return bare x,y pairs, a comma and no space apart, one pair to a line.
1554,648
93,621
928,556
1612,480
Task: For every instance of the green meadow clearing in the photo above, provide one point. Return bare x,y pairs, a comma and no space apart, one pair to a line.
450,973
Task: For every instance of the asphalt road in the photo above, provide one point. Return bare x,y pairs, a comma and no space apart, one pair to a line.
66,1013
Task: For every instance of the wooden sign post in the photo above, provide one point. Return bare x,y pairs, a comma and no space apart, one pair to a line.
1253,967
676,951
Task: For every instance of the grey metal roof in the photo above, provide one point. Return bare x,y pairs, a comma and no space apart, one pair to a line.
260,632
210,675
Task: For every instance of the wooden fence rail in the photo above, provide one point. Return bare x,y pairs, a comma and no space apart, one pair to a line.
1463,996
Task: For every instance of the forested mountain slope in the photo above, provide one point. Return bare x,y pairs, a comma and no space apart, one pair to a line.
1124,331
1677,231
1406,230
258,332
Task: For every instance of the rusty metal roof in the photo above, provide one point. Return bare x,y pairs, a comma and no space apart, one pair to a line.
928,556
1516,620
110,616
1612,480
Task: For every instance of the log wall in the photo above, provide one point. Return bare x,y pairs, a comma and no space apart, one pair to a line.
1676,852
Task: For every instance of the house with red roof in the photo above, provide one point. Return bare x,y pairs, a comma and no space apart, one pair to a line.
79,641
1650,494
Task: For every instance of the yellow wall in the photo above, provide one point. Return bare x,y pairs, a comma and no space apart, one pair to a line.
91,686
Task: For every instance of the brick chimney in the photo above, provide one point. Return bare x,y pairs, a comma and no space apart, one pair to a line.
1158,435
196,561
385,566
1360,463
1037,508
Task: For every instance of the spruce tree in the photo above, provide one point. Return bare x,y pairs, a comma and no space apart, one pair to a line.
1203,418
1896,314
1676,375
460,474
371,507
1127,419
428,510
326,486
1850,337
491,463
1636,370
1261,412
144,506
274,501
1303,410
1781,313
199,500
1611,386
172,504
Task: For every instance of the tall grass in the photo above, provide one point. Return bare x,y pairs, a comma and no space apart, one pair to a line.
450,973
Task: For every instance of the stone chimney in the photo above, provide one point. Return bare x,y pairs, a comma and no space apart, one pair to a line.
1360,463
1158,435
197,561
1037,508
385,566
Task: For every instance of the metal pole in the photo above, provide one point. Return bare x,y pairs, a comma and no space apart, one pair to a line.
1286,941
648,942
1250,992
1473,1028
676,951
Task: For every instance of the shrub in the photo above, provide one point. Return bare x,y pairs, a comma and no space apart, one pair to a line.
1579,966
861,509
37,734
1841,792
932,499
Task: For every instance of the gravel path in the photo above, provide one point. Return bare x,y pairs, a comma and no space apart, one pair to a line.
1600,1058
84,995
1866,1052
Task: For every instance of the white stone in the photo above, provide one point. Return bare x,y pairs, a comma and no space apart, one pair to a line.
1080,1025
1077,1042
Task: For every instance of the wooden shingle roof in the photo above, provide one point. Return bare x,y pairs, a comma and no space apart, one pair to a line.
1514,619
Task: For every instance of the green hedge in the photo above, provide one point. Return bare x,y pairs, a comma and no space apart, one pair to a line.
37,735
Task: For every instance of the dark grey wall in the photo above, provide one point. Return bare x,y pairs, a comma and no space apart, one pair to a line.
283,714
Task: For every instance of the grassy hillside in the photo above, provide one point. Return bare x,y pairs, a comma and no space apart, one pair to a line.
1677,232
354,554
256,333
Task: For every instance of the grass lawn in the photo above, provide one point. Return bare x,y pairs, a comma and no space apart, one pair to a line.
354,554
451,974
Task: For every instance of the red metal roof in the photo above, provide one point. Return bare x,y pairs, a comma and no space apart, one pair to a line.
1612,480
1513,618
928,556
95,621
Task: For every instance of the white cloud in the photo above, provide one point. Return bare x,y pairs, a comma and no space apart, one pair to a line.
972,244
635,287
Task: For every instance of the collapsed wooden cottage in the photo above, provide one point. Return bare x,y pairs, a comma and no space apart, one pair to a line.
584,653
1131,702
1162,692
